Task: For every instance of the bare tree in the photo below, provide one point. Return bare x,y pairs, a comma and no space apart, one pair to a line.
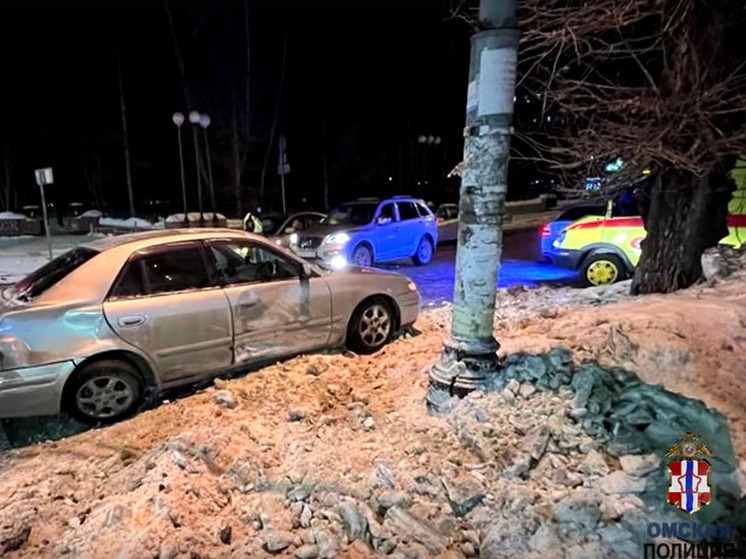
93,173
125,133
6,181
276,117
658,83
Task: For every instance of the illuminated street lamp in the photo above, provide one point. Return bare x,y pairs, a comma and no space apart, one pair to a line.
178,119
427,141
204,122
194,118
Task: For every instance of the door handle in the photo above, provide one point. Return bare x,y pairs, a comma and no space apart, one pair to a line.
132,320
248,304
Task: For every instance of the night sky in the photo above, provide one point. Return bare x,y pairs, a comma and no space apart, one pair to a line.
373,75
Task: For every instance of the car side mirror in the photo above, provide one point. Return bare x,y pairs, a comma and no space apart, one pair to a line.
383,220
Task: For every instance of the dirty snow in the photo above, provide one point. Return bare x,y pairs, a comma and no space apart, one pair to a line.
91,213
334,455
129,223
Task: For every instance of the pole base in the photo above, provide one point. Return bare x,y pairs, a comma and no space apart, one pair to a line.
457,373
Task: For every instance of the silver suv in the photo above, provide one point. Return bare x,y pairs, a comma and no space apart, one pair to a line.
369,231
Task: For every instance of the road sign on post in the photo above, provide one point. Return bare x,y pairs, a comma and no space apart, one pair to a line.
44,177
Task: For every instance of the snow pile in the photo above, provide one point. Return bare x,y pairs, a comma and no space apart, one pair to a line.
194,217
91,213
334,456
11,215
129,223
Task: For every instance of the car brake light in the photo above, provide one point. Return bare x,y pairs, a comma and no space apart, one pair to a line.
544,231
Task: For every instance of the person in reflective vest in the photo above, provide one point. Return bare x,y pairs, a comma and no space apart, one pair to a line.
252,224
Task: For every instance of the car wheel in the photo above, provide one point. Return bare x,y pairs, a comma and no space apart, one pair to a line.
362,256
603,269
424,254
104,391
371,326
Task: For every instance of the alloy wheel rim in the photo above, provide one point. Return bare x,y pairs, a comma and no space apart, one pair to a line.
361,257
375,325
104,396
602,272
425,252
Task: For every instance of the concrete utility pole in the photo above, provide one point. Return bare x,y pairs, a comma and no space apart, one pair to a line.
469,360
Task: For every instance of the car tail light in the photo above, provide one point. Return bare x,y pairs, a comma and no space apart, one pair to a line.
545,231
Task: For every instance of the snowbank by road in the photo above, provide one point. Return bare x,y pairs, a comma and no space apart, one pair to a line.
129,223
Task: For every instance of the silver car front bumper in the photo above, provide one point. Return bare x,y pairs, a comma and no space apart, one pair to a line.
33,390
409,307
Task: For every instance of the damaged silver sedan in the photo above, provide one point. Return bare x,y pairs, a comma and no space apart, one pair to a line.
90,331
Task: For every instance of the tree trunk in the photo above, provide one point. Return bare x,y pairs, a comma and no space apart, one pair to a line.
179,57
125,135
7,181
276,117
237,161
685,215
325,175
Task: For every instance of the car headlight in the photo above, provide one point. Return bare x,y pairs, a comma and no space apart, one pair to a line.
294,239
338,262
412,286
559,240
337,239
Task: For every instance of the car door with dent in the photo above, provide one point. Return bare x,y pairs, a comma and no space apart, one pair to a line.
166,304
276,309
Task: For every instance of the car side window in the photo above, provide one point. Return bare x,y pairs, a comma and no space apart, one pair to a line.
387,214
407,210
423,210
165,271
244,262
313,220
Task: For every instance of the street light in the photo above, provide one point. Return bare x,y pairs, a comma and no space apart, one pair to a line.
178,119
194,118
426,142
204,122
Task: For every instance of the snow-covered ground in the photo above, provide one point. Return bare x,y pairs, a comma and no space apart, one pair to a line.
335,455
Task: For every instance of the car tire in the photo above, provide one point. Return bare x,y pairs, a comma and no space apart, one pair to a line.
362,256
602,269
425,251
371,326
103,392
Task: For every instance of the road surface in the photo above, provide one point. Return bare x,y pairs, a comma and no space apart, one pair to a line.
521,263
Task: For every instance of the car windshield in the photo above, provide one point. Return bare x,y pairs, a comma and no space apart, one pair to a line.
271,223
359,213
51,273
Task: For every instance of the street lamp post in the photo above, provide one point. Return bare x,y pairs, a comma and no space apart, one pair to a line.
178,119
426,142
194,118
204,122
